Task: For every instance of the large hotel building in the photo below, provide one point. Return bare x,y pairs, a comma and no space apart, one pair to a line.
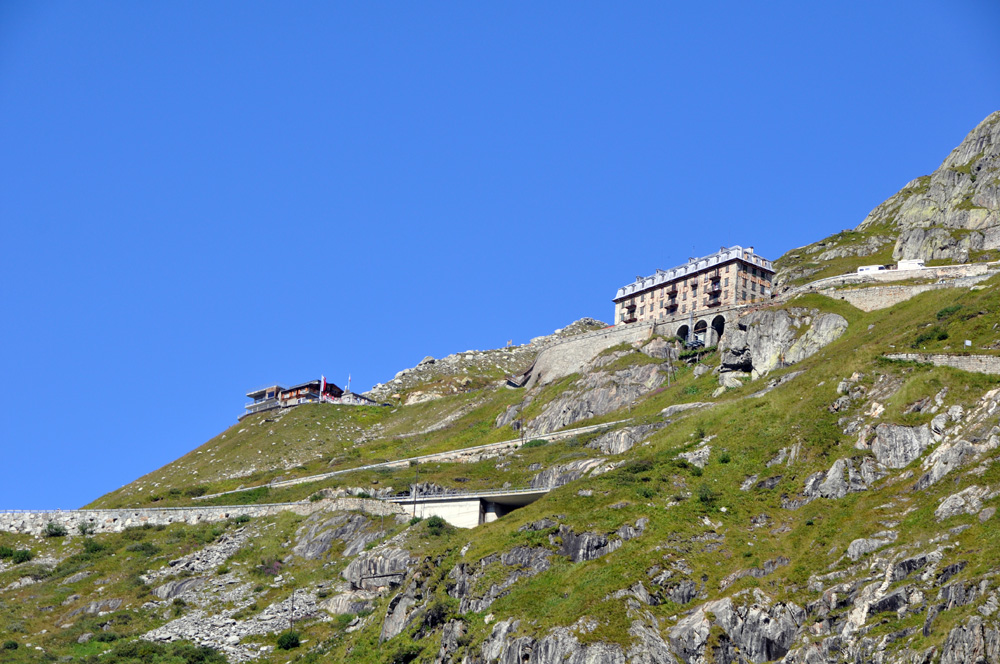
732,276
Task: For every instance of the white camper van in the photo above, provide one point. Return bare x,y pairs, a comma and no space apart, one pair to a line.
870,268
911,264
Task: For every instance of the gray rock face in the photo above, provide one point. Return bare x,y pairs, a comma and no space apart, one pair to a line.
758,633
354,601
973,642
966,501
523,562
597,393
100,606
624,439
661,349
866,545
565,473
377,569
845,476
172,589
315,537
765,340
895,446
558,647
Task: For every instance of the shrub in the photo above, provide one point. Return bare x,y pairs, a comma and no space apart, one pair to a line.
10,645
646,491
696,471
724,457
53,529
404,653
242,518
22,556
6,552
415,520
288,640
534,443
436,525
930,334
196,491
174,492
224,569
269,566
316,497
948,311
436,614
705,494
85,528
106,637
363,494
92,546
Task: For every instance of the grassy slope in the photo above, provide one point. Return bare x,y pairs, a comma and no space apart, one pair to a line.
750,430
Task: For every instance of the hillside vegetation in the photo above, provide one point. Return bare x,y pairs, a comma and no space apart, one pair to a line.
792,495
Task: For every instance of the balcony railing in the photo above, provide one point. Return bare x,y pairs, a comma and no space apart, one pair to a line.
259,406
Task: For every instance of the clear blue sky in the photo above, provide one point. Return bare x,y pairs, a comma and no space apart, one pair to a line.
201,198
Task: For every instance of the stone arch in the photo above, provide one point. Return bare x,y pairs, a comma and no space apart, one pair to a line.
701,331
682,332
718,328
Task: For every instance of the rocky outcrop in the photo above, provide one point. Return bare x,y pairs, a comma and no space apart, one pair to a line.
845,476
207,559
315,537
770,339
895,446
597,393
622,440
966,501
564,473
378,569
523,562
758,632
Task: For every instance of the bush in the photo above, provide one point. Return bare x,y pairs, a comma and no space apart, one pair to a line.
930,334
436,525
10,645
316,497
404,653
646,491
106,637
725,458
288,640
85,528
196,491
415,520
948,311
534,443
242,518
705,494
6,552
53,529
22,556
269,566
92,546
696,471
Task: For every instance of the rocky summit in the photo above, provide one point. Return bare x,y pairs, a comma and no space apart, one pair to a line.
820,487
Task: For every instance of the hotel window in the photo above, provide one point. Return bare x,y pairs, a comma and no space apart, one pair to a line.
684,308
726,281
642,310
753,287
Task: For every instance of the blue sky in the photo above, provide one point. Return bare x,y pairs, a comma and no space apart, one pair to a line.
200,198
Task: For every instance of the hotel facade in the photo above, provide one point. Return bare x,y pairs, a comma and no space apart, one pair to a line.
732,276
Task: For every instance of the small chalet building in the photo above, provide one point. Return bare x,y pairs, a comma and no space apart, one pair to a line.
276,396
731,276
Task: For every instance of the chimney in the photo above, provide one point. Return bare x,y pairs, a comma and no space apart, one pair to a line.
749,250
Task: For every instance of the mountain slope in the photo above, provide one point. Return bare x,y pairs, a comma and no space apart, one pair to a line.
949,216
797,495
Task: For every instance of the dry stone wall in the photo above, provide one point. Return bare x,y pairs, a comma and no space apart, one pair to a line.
113,521
984,364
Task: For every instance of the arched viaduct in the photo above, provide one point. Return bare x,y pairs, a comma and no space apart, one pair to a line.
705,326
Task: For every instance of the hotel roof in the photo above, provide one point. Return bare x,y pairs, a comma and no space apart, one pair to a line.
724,255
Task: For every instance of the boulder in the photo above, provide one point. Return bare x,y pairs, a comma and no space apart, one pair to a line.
895,446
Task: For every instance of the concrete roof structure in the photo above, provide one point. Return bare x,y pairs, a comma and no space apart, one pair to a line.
724,255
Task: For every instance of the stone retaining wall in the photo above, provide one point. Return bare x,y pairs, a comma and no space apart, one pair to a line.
114,521
883,297
984,364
